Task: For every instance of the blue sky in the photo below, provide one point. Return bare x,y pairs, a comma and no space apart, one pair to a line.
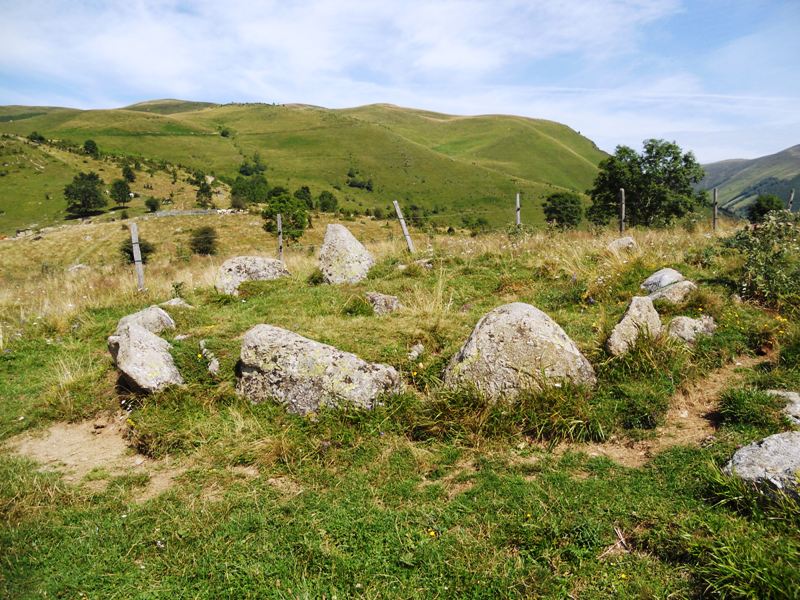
722,78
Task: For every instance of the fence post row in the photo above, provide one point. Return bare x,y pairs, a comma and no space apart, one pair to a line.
403,226
280,238
715,213
137,256
622,210
519,220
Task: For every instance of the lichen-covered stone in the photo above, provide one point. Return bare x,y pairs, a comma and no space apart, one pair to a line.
239,269
177,303
152,318
773,462
383,304
688,329
144,361
516,347
640,318
675,293
343,259
792,408
623,244
304,375
661,279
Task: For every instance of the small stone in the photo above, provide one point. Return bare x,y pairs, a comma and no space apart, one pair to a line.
416,351
688,329
640,318
675,293
383,304
623,244
661,279
773,462
177,303
213,366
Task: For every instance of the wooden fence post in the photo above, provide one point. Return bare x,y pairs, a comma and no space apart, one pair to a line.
715,213
519,220
403,226
280,238
622,210
791,200
137,256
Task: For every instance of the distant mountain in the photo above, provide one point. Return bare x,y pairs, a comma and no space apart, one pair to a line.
740,181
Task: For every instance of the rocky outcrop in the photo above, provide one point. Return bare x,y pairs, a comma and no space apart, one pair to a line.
792,408
144,361
517,347
343,259
773,463
688,329
153,319
239,269
383,304
675,293
640,318
661,279
305,375
623,244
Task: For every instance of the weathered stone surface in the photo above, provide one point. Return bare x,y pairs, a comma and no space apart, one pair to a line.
640,317
675,293
239,269
144,360
304,375
792,408
661,279
687,329
773,462
383,304
623,244
516,347
176,303
416,351
152,318
343,259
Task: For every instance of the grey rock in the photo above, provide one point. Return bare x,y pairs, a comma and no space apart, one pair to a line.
416,351
176,303
343,259
383,304
661,279
144,360
181,337
773,462
78,267
213,367
304,375
239,269
640,317
675,293
517,347
623,244
152,318
687,329
792,408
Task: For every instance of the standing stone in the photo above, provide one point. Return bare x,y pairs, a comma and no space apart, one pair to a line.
675,293
383,304
144,360
773,462
153,319
661,279
239,269
343,259
305,375
517,347
687,329
640,317
623,244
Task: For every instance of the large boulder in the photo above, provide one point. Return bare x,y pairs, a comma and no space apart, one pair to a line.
304,375
144,360
688,329
517,347
661,279
640,317
383,304
623,244
792,408
773,462
675,293
343,259
153,318
239,269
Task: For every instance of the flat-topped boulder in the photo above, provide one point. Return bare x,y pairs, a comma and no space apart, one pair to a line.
661,279
383,304
688,329
235,271
144,361
623,244
517,347
675,293
641,318
153,318
304,375
343,259
773,463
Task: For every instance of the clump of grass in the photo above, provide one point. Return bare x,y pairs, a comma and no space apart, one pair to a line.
357,306
748,406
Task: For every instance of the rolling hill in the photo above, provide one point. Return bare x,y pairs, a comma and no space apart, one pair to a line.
453,165
740,181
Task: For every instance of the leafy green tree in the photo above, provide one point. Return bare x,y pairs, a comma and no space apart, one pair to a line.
278,190
327,202
294,216
204,194
252,167
304,193
658,185
204,240
763,205
152,204
85,194
90,148
128,174
126,250
120,191
35,136
248,190
564,209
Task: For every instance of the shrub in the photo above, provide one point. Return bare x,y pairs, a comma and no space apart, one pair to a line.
763,205
90,147
152,204
327,202
294,217
128,174
304,193
204,241
357,306
145,247
35,136
564,209
120,191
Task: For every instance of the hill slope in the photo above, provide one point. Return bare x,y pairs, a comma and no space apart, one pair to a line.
740,181
458,165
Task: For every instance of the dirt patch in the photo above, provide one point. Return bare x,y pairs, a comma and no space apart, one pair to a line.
690,420
285,485
93,452
456,481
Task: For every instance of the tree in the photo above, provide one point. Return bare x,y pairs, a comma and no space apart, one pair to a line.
84,194
294,216
304,193
36,137
248,190
128,174
764,204
564,209
204,240
126,250
327,202
90,148
120,191
152,204
204,194
256,167
658,184
278,190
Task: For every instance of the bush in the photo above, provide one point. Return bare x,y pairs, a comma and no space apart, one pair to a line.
293,213
204,241
120,191
90,147
145,247
152,204
128,174
564,209
35,136
327,202
763,205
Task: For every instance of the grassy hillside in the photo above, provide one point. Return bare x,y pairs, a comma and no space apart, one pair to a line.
741,181
614,492
458,165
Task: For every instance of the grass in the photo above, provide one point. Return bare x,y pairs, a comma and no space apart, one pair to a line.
435,493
